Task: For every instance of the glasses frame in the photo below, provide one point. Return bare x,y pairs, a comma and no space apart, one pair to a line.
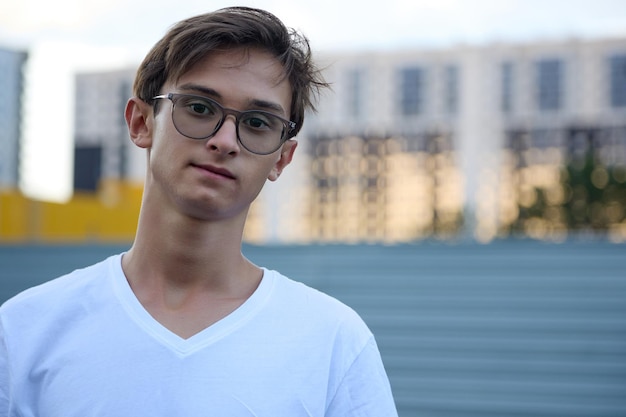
289,126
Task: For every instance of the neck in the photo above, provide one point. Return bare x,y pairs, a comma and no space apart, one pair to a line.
185,266
181,251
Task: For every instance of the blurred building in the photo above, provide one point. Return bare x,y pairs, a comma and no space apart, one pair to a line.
466,142
108,169
103,150
563,133
482,141
11,92
13,217
385,143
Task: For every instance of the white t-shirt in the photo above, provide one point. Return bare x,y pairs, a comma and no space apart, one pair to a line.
82,345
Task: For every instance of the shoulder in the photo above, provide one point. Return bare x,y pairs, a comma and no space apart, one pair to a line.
306,297
312,306
59,291
357,376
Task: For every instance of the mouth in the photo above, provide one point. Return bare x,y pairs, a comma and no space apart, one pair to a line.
210,169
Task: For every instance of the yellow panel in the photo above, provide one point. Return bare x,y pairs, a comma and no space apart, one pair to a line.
14,214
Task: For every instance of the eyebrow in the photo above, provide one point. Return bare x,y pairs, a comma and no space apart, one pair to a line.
252,103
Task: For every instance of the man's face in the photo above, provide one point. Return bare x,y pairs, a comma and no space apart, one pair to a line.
217,177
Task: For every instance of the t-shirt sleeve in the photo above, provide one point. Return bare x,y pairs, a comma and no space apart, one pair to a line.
365,390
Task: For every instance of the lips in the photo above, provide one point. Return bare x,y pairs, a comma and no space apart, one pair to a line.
223,172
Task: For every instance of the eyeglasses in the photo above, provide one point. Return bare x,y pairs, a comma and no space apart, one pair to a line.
198,117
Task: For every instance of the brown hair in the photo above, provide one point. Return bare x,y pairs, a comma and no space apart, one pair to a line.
190,40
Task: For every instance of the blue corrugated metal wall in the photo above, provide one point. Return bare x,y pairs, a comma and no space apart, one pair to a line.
507,329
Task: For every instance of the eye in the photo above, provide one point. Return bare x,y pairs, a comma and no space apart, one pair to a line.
197,106
261,121
256,123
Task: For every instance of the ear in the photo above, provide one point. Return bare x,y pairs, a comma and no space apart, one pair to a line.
139,119
286,155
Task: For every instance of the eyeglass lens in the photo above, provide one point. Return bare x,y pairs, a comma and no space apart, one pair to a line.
200,118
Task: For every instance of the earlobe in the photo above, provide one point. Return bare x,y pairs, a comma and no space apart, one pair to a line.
286,155
138,118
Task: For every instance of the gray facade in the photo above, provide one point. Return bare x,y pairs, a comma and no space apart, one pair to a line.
11,94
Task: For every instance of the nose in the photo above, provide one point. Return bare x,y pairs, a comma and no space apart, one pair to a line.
225,139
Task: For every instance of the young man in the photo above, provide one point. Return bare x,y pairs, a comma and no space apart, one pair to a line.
183,324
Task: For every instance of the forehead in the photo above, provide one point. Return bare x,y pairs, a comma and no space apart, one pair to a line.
240,74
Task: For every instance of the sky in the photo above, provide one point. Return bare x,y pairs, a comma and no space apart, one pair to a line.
67,36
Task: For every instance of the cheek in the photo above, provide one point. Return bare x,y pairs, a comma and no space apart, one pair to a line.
258,172
157,153
269,166
165,139
163,153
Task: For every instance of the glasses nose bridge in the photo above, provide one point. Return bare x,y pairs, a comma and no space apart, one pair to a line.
225,113
230,112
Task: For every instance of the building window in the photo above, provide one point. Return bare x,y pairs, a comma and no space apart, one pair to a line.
618,80
355,94
549,84
87,168
412,86
506,85
451,79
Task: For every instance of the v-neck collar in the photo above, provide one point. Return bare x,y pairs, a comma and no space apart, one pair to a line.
171,340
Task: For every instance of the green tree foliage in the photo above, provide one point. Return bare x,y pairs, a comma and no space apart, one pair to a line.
596,194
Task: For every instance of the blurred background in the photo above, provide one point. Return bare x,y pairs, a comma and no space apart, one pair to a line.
463,185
